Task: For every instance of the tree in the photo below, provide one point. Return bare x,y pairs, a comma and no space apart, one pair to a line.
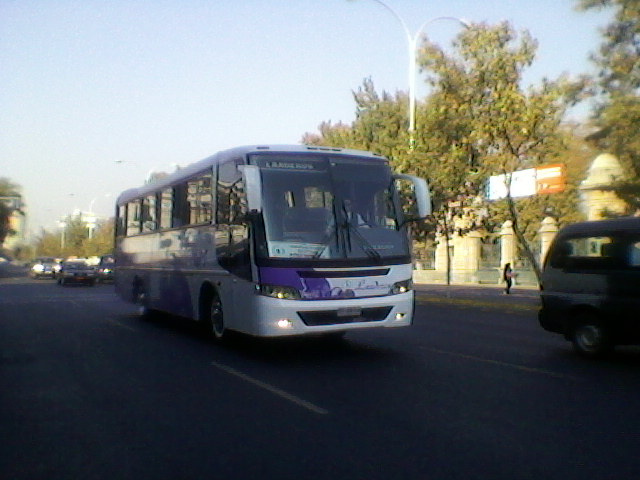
74,240
102,241
380,125
478,121
49,244
487,121
8,190
617,112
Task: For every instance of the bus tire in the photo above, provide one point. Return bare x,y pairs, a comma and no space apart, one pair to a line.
140,299
214,317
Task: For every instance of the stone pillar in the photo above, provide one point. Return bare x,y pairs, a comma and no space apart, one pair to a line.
547,232
458,261
507,244
474,247
441,253
597,198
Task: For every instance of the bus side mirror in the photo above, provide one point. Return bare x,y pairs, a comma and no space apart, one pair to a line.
421,192
253,187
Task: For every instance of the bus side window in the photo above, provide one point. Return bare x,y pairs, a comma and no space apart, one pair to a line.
199,199
230,192
237,202
133,218
165,202
121,222
181,211
149,221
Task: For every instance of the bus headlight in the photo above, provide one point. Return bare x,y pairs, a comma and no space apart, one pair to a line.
402,287
279,291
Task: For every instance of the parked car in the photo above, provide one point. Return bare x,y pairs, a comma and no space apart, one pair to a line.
590,287
44,267
76,271
105,268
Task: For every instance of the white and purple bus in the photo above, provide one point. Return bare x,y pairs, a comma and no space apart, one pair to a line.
272,241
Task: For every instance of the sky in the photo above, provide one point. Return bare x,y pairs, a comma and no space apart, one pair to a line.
96,95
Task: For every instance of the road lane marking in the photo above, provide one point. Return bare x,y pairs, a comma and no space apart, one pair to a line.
270,388
56,298
516,366
123,325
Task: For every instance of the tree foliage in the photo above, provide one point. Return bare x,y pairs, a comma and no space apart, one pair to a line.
7,189
74,240
617,114
477,121
498,126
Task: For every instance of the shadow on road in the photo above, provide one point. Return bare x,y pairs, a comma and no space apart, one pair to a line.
298,350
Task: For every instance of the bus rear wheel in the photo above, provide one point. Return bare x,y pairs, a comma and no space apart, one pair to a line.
140,299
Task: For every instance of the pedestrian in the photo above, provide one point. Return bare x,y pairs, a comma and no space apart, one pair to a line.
507,276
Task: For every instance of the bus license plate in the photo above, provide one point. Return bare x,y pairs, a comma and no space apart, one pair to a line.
349,312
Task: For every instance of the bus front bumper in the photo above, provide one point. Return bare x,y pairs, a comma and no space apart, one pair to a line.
279,317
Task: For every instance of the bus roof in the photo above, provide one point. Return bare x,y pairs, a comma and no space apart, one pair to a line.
194,168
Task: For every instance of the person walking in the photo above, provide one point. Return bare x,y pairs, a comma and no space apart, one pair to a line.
507,276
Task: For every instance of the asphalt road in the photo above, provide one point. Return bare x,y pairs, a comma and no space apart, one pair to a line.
473,390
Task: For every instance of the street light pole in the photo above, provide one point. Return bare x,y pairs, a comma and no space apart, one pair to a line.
412,45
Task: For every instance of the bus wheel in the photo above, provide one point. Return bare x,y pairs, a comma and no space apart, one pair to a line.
140,299
216,317
589,337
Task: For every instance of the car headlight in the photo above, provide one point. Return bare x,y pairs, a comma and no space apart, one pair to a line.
38,268
279,291
401,287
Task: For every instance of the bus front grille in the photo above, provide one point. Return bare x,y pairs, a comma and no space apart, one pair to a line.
334,317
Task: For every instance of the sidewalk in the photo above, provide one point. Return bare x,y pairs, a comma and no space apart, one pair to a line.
479,296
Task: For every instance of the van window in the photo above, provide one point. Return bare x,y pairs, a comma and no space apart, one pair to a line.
634,255
597,252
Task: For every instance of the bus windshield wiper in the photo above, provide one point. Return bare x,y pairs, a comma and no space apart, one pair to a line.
333,230
343,231
364,243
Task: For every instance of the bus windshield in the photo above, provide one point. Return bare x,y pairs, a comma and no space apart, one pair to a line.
323,207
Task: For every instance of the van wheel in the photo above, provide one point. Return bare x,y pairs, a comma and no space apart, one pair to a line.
214,320
589,337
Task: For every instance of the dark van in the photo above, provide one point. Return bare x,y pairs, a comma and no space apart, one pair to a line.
590,287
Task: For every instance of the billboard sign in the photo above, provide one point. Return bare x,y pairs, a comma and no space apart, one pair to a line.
524,183
550,179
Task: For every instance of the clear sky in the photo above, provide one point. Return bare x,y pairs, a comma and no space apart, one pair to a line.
94,95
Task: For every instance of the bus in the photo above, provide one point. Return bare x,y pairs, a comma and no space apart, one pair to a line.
273,240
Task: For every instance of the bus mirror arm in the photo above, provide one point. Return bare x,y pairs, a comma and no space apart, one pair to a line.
253,186
422,193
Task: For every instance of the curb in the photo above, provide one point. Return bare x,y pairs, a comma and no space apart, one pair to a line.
504,304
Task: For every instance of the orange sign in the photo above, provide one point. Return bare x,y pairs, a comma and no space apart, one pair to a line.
550,178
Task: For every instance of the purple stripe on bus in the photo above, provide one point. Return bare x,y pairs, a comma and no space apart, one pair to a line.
314,288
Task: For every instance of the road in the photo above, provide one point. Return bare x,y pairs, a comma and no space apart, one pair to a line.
473,390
